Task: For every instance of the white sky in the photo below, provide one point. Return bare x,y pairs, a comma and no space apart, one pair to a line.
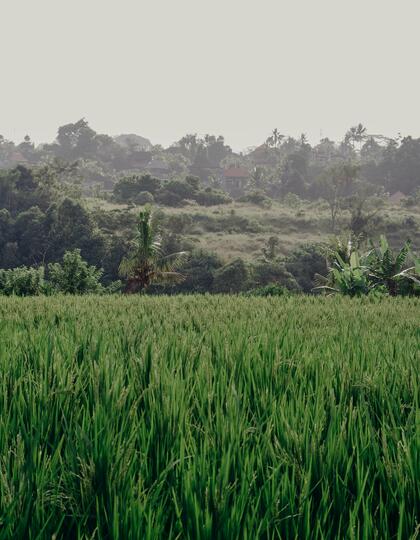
162,68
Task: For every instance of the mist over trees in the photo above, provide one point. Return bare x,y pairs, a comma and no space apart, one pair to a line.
279,165
44,190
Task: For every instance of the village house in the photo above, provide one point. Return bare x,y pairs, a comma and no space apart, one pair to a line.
397,197
235,179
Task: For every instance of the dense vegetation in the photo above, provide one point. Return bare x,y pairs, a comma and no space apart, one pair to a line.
278,166
209,417
246,221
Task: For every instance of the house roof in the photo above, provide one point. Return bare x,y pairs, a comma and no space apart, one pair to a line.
397,196
235,172
18,157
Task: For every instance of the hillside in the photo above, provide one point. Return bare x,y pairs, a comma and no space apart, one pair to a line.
242,229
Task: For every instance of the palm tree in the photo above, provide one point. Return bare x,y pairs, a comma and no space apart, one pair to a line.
356,134
146,263
275,139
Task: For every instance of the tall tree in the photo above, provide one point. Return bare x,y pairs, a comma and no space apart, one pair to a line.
146,262
335,184
275,139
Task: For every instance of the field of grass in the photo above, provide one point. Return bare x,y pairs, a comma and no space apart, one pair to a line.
209,418
307,224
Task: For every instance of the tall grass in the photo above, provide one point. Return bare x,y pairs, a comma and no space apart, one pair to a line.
209,418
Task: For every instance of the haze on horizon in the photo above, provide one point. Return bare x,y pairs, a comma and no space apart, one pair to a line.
238,68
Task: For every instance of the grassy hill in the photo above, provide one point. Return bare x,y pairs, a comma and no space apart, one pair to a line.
241,229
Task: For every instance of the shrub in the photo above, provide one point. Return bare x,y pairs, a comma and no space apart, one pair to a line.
304,263
268,272
179,223
232,278
272,289
257,197
212,197
74,275
129,187
292,200
22,281
169,198
144,197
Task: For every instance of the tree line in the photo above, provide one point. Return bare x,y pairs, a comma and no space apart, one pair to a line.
279,165
147,265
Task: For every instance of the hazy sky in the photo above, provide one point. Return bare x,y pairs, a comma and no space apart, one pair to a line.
163,68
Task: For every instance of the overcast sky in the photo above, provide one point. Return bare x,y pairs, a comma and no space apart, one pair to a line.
163,68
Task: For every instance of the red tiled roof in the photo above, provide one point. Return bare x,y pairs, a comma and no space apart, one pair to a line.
235,172
18,157
397,196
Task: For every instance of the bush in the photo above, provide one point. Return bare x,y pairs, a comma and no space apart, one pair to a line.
292,200
304,263
74,275
179,223
211,197
198,271
257,197
144,197
129,187
266,273
184,190
273,289
232,278
169,198
22,281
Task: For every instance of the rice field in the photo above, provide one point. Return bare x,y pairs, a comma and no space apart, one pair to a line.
209,417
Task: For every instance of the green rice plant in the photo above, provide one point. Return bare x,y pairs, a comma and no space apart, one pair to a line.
209,417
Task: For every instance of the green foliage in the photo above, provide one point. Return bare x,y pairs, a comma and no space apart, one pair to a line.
211,197
232,277
292,200
350,278
272,289
294,174
387,269
379,269
257,197
207,417
22,281
335,184
144,197
129,188
146,263
74,275
273,271
198,271
304,263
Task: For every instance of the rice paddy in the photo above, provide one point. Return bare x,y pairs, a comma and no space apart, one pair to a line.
209,417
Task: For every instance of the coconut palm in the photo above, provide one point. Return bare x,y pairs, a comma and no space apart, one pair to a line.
146,263
275,139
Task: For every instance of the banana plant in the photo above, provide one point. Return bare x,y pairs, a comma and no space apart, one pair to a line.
387,269
348,278
379,269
